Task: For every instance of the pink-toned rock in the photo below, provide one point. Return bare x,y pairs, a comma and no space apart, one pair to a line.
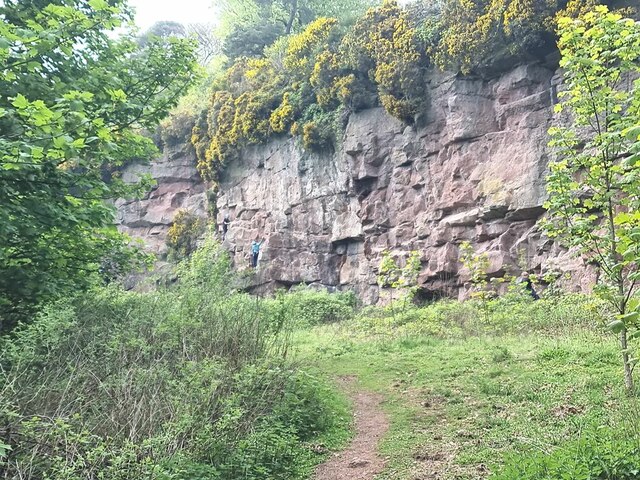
472,169
179,187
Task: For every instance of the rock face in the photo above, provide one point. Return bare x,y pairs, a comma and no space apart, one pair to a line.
178,187
472,169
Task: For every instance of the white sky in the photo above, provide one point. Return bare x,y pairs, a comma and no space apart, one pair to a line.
149,12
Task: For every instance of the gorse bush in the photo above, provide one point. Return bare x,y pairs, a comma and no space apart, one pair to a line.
299,82
183,234
187,382
473,33
385,44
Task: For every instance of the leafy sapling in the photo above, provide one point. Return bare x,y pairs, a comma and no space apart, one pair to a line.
402,279
594,182
477,264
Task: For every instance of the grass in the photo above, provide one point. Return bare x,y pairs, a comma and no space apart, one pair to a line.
199,380
461,404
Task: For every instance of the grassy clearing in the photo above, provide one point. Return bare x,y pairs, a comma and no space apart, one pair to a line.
467,392
198,381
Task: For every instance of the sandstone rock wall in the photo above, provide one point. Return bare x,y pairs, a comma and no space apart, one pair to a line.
178,187
472,169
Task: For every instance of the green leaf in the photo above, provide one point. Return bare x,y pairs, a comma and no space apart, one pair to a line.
20,102
61,141
4,449
632,133
616,326
629,317
98,4
117,95
37,152
104,134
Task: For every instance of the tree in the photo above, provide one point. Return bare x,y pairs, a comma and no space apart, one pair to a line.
594,184
163,29
73,102
208,44
250,40
477,264
403,279
249,26
289,15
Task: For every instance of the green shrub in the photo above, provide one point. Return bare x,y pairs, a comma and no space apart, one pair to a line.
601,455
514,312
305,306
189,381
444,318
176,128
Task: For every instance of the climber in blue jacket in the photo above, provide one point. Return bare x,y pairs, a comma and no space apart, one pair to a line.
255,251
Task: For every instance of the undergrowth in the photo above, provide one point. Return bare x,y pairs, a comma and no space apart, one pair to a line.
188,382
200,381
306,307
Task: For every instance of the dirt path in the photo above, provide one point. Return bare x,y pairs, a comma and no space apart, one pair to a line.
360,461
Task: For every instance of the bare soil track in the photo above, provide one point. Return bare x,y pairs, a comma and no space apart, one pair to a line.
360,461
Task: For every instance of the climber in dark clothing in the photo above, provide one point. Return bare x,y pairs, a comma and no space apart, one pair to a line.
529,285
225,226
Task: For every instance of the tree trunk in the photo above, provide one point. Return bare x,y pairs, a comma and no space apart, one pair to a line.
628,372
622,306
292,16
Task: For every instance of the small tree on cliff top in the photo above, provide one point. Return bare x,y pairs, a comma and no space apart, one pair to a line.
594,185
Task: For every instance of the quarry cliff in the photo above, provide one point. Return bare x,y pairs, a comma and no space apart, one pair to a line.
471,168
